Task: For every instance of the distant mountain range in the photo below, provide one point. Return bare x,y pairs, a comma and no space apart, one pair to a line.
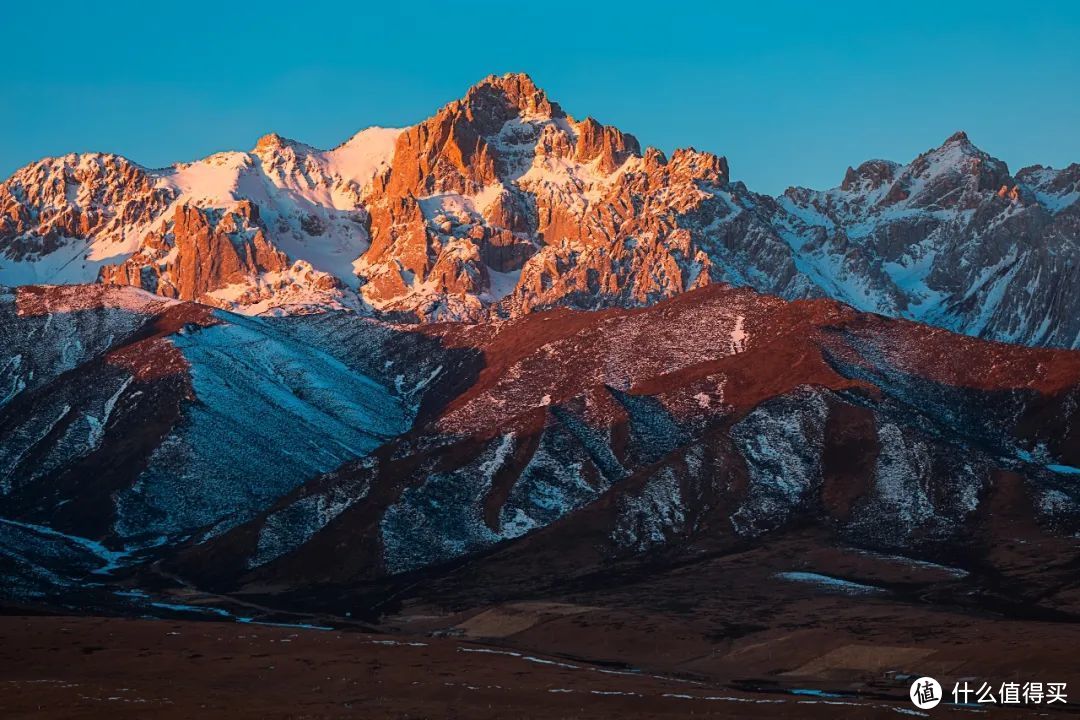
502,204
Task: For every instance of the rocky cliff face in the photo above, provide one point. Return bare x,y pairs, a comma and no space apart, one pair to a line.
502,204
223,258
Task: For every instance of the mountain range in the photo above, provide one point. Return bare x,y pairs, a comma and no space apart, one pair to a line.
502,204
506,378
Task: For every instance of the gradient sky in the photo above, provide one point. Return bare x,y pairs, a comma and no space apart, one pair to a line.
791,93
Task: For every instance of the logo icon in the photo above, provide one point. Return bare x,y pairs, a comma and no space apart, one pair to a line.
925,693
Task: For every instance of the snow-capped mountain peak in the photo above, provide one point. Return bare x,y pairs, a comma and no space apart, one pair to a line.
79,217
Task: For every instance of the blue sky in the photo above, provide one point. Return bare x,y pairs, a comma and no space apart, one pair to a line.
791,93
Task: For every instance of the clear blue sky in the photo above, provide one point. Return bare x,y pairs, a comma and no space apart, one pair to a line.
792,93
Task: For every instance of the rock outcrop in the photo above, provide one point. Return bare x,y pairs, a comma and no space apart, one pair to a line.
53,209
223,258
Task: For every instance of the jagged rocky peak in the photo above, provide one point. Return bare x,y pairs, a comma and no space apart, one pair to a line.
45,181
76,195
214,248
951,175
446,153
479,187
272,142
492,135
608,143
269,141
960,138
1056,190
498,98
956,147
949,238
698,164
224,257
871,175
955,165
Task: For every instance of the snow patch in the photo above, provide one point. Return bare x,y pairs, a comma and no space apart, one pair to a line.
825,581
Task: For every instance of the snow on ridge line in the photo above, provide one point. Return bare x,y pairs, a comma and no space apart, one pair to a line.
217,177
62,298
309,200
